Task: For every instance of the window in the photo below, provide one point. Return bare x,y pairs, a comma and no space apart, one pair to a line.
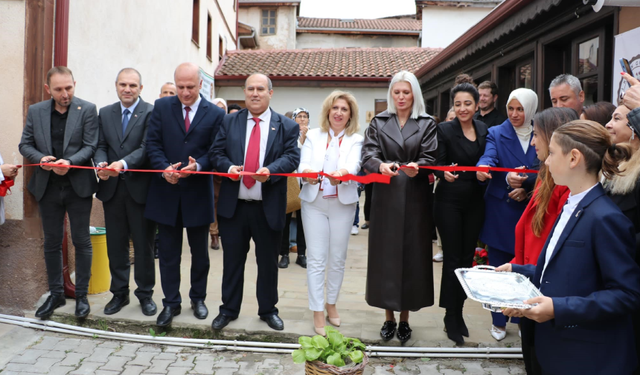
524,78
380,105
220,47
195,27
209,37
589,67
268,23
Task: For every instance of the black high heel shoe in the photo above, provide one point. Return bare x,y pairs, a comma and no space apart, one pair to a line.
452,329
388,330
404,332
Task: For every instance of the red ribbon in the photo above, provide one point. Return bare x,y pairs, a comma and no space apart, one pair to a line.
5,187
372,177
367,179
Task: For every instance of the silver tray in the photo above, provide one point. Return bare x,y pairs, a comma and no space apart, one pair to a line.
496,290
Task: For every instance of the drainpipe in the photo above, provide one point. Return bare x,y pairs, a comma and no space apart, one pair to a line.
252,36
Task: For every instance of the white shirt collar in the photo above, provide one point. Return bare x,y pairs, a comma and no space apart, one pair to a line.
194,106
266,115
131,109
575,199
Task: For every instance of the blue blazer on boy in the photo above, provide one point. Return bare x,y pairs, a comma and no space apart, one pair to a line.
594,282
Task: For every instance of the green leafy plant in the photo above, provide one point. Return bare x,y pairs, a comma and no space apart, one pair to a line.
335,349
153,333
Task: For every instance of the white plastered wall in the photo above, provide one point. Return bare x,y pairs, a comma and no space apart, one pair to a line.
285,36
108,35
442,25
313,40
12,29
289,98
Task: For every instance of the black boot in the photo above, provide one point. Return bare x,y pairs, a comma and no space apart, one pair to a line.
461,325
452,328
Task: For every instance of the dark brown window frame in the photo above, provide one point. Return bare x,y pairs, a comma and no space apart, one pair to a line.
195,23
209,37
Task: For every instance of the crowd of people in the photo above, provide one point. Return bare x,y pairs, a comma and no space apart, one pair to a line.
573,228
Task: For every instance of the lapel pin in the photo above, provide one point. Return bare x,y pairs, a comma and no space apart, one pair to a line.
135,115
273,128
79,108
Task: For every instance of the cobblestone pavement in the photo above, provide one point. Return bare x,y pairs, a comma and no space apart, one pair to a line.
50,353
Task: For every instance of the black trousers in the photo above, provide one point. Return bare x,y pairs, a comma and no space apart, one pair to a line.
300,241
531,364
170,255
249,222
459,222
58,199
124,218
368,196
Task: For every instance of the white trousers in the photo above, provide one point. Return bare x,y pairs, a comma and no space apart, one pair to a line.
327,227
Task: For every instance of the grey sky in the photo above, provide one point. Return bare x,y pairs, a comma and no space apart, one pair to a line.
356,8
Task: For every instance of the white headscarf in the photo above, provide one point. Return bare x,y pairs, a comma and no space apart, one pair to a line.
529,101
220,100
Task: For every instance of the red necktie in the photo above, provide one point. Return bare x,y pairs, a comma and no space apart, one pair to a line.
187,122
252,160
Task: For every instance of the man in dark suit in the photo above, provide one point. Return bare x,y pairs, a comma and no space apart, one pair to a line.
181,130
123,129
63,131
258,140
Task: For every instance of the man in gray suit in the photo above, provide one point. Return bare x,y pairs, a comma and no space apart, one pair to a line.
123,129
63,131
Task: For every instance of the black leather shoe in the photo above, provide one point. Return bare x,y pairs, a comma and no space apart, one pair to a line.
116,304
82,306
301,260
404,332
200,311
284,262
166,315
364,226
452,329
149,307
274,322
221,321
388,330
464,331
53,302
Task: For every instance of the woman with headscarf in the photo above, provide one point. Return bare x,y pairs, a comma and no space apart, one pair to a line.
507,194
7,172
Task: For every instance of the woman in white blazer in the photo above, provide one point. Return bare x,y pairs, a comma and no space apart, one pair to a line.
328,206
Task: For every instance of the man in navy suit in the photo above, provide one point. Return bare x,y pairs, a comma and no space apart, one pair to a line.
255,139
181,130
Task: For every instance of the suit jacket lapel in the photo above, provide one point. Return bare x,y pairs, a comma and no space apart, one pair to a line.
241,126
45,114
203,107
481,135
133,121
575,217
410,128
514,146
176,108
73,118
392,130
116,120
274,128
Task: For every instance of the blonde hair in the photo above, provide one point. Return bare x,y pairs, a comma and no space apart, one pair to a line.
418,102
353,125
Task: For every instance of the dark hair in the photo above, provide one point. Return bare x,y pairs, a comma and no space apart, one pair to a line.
232,107
58,70
546,122
465,87
289,115
464,78
599,112
593,141
489,85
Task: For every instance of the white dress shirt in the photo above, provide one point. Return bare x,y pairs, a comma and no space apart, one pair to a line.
567,211
255,193
131,110
192,114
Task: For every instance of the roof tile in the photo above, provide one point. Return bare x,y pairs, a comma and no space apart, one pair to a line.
359,24
343,62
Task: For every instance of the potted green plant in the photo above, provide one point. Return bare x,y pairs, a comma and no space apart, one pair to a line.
334,354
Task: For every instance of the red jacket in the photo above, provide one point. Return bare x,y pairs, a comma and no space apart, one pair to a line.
528,245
